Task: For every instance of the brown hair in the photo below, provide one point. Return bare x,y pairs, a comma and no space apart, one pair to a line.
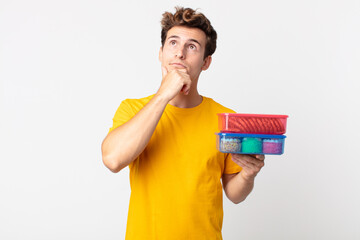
189,18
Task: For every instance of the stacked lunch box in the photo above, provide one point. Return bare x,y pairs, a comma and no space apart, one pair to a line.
251,133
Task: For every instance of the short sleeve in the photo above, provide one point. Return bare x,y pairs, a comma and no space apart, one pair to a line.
230,166
123,114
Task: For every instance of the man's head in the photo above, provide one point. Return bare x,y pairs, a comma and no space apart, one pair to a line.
188,41
188,17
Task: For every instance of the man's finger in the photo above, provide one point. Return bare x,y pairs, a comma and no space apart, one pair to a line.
186,88
244,162
182,70
260,157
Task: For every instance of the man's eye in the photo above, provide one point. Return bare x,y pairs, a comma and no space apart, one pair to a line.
192,47
172,42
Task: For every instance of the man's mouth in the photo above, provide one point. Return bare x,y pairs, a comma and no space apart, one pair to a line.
177,65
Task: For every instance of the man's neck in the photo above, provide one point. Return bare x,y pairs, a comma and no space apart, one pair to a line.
191,100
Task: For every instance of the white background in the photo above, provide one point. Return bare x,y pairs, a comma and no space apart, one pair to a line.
65,66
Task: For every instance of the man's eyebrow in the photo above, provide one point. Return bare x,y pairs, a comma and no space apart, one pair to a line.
191,40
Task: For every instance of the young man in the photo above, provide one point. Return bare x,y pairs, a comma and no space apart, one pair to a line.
168,142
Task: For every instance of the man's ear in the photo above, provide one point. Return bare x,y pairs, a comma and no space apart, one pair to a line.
160,54
207,63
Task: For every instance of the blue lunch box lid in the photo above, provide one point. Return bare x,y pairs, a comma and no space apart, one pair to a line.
250,135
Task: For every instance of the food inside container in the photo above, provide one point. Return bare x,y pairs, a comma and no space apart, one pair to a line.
252,123
250,143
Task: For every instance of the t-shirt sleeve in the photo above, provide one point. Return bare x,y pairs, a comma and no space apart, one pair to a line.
123,114
230,166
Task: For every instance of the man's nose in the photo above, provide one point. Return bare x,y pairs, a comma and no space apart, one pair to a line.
180,52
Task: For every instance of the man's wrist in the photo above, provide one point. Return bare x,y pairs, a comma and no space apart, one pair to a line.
161,98
247,179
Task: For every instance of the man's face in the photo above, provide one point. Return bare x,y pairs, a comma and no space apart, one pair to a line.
184,47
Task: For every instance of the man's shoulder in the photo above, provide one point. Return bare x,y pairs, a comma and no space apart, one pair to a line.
217,107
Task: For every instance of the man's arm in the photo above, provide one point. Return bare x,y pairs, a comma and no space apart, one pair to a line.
122,145
239,185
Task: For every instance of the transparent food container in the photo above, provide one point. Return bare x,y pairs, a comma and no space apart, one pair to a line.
252,123
250,143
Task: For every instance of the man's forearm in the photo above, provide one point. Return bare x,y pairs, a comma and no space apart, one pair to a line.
125,143
238,188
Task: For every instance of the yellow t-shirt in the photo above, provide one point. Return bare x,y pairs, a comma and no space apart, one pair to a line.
176,192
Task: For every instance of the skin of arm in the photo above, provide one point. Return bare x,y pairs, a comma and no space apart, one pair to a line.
238,186
125,143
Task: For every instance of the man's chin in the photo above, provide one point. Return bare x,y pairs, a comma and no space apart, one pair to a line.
172,67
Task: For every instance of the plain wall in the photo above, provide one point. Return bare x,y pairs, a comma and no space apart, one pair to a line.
65,66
